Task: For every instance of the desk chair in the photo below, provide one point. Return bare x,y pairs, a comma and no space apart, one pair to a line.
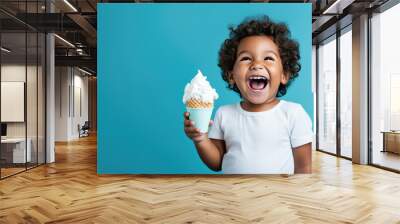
84,130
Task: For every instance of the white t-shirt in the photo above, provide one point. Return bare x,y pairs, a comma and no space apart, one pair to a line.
261,142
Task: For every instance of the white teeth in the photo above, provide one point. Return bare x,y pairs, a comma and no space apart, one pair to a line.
258,77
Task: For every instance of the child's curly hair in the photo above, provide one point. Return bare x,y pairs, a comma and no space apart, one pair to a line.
280,34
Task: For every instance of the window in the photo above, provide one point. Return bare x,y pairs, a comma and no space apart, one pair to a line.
346,92
327,96
385,89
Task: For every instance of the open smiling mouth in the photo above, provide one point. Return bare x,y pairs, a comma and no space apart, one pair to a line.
258,82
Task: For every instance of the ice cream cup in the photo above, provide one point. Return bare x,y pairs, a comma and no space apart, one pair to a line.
201,117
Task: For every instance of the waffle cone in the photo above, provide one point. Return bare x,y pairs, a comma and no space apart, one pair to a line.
193,103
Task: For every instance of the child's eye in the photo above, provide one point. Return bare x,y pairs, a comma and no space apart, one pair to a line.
269,58
245,59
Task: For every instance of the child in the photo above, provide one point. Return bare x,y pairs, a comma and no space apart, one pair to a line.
261,134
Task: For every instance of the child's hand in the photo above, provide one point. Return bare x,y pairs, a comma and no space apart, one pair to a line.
191,131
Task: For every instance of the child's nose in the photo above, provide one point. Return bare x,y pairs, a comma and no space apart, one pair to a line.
256,66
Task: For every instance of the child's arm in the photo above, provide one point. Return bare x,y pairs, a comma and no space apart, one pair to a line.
211,151
302,158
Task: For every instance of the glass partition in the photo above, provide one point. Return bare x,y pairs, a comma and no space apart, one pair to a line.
14,153
22,78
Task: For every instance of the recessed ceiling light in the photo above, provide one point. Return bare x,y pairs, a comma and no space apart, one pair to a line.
338,6
84,71
5,50
64,40
71,6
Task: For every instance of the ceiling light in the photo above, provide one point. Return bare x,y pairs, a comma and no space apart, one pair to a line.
70,5
5,50
329,9
338,6
79,51
84,71
65,41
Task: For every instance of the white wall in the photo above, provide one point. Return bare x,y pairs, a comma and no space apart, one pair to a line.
12,73
70,84
9,73
62,81
33,127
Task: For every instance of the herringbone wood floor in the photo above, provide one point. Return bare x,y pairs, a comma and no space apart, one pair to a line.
70,191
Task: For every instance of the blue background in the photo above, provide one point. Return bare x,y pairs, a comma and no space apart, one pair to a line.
146,55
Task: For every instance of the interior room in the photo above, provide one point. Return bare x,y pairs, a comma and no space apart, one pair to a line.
53,118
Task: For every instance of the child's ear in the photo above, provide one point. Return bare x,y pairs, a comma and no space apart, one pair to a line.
230,78
285,78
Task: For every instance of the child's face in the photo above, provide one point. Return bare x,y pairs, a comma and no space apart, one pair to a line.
258,70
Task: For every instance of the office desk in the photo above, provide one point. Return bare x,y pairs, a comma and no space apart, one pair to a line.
16,147
391,141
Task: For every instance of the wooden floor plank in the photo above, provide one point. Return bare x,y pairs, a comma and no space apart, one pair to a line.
70,191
